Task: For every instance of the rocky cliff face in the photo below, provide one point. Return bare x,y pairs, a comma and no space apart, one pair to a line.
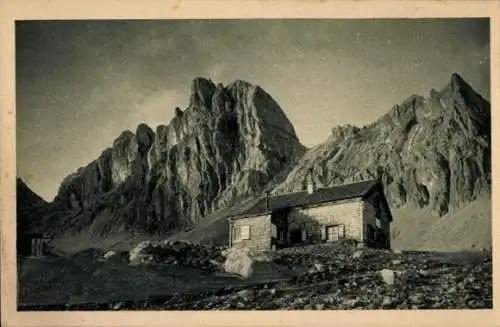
432,151
228,143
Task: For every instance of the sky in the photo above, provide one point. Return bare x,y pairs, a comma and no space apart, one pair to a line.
79,84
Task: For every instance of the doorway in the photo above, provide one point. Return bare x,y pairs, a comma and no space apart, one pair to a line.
334,233
295,236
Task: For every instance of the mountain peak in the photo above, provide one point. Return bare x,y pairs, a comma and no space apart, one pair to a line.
344,131
460,94
456,84
24,191
240,82
202,90
124,137
143,128
201,79
457,79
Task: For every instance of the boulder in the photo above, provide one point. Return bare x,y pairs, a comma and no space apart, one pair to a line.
357,255
246,264
239,262
387,301
176,252
319,267
246,295
108,255
216,263
408,275
389,276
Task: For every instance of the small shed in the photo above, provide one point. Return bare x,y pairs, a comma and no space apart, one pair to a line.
33,244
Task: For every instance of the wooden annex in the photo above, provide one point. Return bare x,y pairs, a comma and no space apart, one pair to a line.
34,245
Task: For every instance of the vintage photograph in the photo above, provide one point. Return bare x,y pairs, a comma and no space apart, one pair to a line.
253,164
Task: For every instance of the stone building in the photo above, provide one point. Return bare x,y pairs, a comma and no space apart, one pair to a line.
357,211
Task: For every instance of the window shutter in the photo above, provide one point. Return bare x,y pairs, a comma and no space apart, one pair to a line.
304,235
341,231
245,232
274,231
323,232
236,233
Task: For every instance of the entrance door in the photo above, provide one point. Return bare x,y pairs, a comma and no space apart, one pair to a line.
381,241
334,233
295,236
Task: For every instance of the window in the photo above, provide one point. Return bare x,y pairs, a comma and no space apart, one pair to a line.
378,222
334,233
241,233
245,232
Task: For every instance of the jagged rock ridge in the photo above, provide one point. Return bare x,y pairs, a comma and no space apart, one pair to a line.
228,143
431,152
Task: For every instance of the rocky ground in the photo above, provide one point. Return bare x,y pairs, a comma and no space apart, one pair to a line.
327,277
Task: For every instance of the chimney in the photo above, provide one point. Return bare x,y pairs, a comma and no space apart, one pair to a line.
310,183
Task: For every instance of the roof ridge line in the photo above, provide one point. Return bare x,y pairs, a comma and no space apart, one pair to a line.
326,187
350,183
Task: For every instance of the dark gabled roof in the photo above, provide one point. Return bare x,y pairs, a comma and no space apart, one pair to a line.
329,194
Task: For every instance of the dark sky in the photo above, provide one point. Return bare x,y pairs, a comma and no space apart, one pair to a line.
80,83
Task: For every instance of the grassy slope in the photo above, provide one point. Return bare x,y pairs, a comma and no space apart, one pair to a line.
466,229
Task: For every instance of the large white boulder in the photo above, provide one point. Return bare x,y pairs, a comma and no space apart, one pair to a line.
248,264
239,262
389,276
